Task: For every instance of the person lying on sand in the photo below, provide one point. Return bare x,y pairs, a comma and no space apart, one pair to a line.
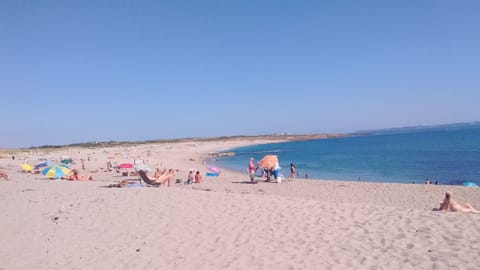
120,184
75,176
449,204
4,175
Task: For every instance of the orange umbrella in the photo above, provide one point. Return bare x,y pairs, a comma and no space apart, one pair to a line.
268,161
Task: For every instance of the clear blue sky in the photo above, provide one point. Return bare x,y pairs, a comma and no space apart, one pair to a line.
77,71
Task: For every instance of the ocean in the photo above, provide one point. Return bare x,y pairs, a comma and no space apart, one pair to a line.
448,155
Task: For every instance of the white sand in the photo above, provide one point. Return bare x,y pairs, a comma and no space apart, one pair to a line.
225,223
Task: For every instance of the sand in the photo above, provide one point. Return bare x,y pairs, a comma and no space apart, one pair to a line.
224,222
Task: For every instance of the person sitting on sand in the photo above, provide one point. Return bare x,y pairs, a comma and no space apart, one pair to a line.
449,204
75,176
190,177
198,178
4,175
109,167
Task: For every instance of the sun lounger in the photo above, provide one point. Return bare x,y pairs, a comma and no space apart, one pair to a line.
144,178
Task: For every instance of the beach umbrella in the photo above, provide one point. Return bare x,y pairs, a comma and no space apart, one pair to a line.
42,164
469,184
213,169
26,167
125,166
55,171
66,161
268,161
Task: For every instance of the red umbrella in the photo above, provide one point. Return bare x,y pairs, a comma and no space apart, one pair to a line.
125,166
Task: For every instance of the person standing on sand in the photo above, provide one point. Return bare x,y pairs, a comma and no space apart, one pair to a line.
83,164
251,169
292,171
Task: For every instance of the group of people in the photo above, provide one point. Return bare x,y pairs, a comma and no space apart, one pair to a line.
194,177
267,172
165,176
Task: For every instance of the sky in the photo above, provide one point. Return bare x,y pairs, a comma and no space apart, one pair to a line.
81,71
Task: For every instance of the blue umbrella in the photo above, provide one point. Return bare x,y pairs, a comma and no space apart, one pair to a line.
66,161
470,184
42,164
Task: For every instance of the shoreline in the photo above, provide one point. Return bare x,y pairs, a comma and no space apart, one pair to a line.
225,222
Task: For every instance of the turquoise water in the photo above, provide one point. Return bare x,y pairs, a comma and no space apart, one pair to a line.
446,155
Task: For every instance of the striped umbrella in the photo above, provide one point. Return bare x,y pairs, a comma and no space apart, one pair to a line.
55,171
42,164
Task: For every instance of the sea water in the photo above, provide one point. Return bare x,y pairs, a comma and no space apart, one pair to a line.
449,155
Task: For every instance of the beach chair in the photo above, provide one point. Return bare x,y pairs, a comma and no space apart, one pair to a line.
144,178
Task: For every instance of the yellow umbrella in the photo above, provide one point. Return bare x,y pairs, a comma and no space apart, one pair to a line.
26,167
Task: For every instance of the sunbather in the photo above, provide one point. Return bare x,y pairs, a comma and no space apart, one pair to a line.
4,175
162,177
449,204
120,184
198,178
159,172
75,176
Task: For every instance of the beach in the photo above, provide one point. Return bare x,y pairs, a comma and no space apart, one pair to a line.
224,222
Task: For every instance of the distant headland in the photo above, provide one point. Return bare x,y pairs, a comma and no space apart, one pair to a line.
273,137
